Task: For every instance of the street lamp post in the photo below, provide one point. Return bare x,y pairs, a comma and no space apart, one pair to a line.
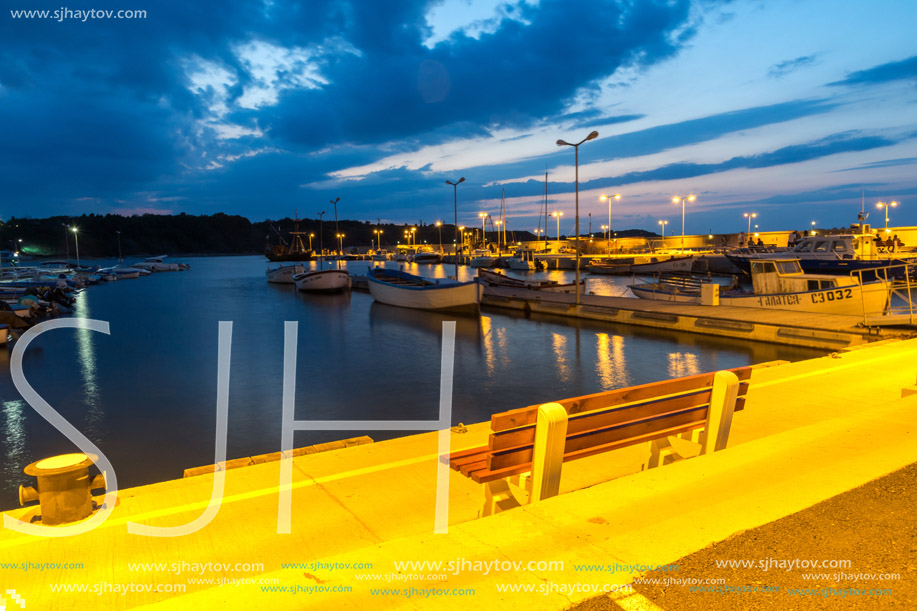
663,224
455,216
813,227
483,216
609,198
591,136
413,236
499,223
335,203
881,205
682,200
340,238
120,258
321,233
311,235
557,215
76,240
749,216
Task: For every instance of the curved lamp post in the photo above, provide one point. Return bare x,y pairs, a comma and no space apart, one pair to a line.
591,136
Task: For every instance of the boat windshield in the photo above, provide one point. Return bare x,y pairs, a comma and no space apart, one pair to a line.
789,267
822,246
839,246
804,247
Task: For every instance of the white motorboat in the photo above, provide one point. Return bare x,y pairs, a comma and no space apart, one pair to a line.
322,281
381,255
780,284
428,257
481,258
523,260
283,274
398,288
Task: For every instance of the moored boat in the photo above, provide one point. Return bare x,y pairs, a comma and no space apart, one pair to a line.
781,284
496,279
322,281
284,274
481,258
409,291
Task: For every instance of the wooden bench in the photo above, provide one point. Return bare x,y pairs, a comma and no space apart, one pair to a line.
529,445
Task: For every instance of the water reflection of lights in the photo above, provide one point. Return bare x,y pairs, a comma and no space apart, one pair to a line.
683,364
14,437
610,363
560,356
87,359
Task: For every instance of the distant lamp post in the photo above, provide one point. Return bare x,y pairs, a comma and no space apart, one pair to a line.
455,216
682,201
749,216
663,224
439,225
483,216
311,235
461,232
378,233
576,146
813,228
335,203
557,216
413,236
120,258
881,205
340,238
499,223
609,198
76,240
321,233
605,232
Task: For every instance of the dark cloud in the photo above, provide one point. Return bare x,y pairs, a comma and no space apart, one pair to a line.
905,69
781,69
885,163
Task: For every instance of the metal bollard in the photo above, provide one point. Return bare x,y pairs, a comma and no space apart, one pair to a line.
64,488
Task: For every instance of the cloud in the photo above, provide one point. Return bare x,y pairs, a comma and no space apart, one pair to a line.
885,163
781,69
906,69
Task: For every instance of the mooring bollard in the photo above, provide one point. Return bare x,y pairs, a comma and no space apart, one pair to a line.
63,489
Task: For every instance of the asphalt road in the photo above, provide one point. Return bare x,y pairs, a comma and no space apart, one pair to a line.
863,533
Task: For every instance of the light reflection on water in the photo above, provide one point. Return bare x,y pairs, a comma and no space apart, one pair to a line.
146,393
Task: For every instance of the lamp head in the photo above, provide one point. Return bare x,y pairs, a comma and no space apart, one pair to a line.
592,136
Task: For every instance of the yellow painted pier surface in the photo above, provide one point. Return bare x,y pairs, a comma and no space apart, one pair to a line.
810,430
824,331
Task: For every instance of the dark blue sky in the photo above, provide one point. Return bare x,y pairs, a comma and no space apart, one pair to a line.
792,109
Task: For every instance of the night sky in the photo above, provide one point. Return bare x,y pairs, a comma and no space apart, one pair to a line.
790,109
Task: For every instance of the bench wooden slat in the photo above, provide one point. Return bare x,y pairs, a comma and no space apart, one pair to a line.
603,418
528,415
619,432
483,476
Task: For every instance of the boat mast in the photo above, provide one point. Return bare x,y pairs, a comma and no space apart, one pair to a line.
546,208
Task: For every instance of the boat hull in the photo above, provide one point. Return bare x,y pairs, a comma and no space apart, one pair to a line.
458,297
284,274
854,300
322,281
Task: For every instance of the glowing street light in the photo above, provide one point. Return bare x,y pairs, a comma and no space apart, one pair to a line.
557,215
483,216
77,240
682,201
311,235
576,146
749,216
605,232
609,198
813,228
499,243
439,225
663,224
881,205
378,233
340,238
335,203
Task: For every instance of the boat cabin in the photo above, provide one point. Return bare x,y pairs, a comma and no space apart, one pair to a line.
860,246
769,276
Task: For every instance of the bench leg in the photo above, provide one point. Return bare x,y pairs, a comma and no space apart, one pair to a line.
498,497
661,453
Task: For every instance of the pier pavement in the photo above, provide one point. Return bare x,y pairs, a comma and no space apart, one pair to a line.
810,431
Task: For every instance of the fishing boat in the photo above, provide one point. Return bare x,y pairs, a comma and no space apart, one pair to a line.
781,284
322,281
496,279
405,290
294,251
481,258
523,260
836,254
283,274
428,257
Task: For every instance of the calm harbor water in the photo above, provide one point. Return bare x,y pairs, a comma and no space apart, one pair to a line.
146,393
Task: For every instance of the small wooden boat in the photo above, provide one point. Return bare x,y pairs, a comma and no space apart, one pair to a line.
489,278
405,290
322,281
283,274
